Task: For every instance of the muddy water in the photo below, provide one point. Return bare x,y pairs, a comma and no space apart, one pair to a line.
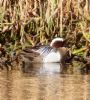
44,82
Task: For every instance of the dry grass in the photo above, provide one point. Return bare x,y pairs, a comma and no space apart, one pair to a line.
38,21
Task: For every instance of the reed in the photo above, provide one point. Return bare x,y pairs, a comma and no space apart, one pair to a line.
34,22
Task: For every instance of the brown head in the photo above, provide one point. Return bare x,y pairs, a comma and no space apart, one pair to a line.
57,43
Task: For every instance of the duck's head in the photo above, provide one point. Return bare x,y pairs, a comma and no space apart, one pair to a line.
57,43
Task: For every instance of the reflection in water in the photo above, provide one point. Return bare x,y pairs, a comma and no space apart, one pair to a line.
49,68
43,83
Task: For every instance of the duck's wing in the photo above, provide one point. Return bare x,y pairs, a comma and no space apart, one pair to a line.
44,50
35,54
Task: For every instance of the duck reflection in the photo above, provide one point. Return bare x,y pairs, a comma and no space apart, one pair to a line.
43,68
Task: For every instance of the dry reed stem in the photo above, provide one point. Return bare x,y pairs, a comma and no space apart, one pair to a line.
53,15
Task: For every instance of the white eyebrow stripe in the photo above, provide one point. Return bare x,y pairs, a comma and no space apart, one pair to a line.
56,39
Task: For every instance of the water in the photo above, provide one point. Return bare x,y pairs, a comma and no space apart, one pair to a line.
44,82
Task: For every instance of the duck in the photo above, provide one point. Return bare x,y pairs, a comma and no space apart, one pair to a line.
53,53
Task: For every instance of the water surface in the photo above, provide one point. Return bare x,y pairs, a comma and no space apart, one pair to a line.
44,82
